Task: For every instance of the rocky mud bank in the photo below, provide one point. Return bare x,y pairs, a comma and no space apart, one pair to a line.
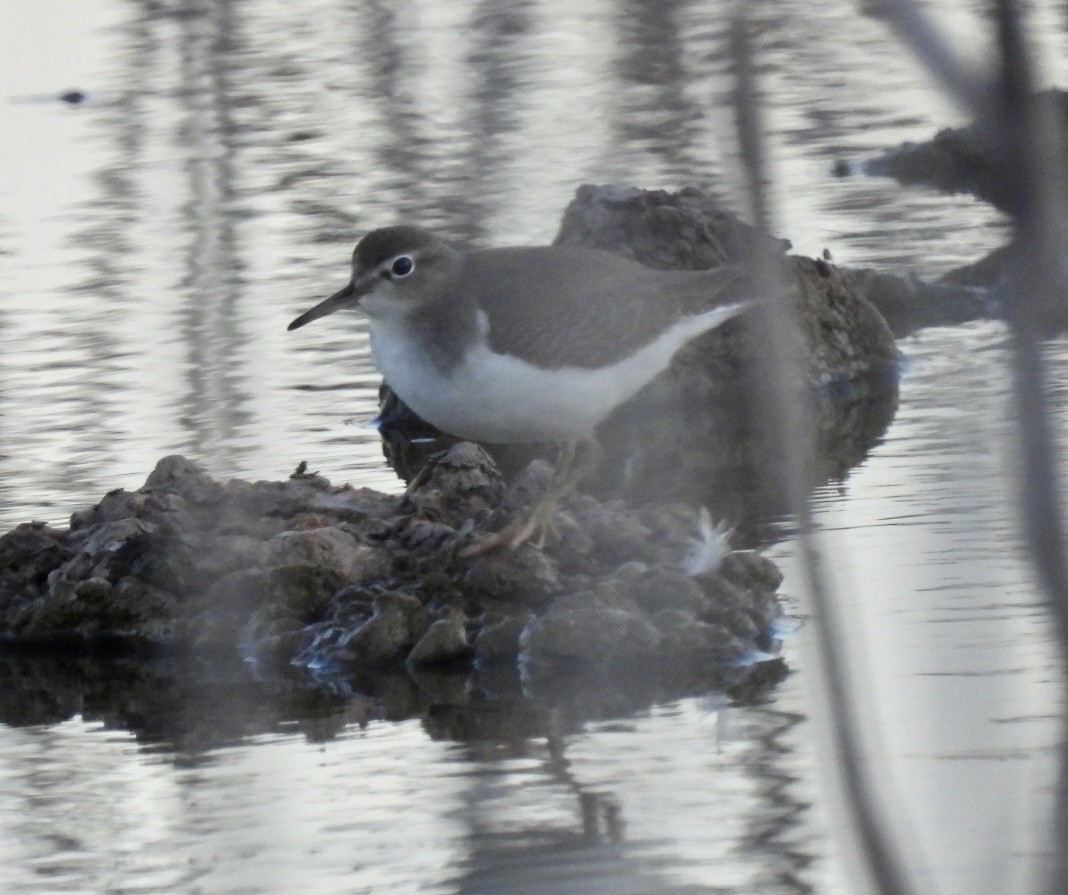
307,575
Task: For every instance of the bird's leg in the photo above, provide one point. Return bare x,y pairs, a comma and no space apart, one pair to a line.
576,460
539,520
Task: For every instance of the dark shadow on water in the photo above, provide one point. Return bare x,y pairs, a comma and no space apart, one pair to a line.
197,704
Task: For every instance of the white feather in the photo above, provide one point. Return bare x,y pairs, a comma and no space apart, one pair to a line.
709,548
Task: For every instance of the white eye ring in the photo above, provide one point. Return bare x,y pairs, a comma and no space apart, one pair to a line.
402,266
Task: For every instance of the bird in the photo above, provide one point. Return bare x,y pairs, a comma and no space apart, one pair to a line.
524,344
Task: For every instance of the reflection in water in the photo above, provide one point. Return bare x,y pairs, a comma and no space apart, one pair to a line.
611,807
531,798
193,705
954,658
656,95
211,289
234,154
500,60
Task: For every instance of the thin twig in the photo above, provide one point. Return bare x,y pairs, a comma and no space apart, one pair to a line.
1035,286
795,433
968,87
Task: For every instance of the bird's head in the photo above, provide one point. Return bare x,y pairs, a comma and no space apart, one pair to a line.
395,271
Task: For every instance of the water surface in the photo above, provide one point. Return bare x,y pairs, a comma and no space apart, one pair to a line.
156,239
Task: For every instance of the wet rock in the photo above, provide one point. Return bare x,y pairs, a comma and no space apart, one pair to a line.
342,584
444,642
749,569
586,632
527,578
975,159
981,159
178,476
459,485
698,643
657,589
398,623
687,230
215,617
112,548
330,548
908,303
218,556
335,582
498,639
29,553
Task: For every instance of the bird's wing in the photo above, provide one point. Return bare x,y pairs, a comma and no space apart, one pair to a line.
548,318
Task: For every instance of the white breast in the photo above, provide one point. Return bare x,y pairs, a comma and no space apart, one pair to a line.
499,399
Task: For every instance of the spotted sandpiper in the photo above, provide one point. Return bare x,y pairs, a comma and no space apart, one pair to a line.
529,344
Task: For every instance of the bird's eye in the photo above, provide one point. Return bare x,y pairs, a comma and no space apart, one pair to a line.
402,266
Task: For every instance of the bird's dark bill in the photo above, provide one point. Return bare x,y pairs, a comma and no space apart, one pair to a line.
343,298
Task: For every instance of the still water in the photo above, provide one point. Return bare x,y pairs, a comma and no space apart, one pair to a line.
156,239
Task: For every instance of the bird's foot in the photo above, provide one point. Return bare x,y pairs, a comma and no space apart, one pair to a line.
576,459
537,528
